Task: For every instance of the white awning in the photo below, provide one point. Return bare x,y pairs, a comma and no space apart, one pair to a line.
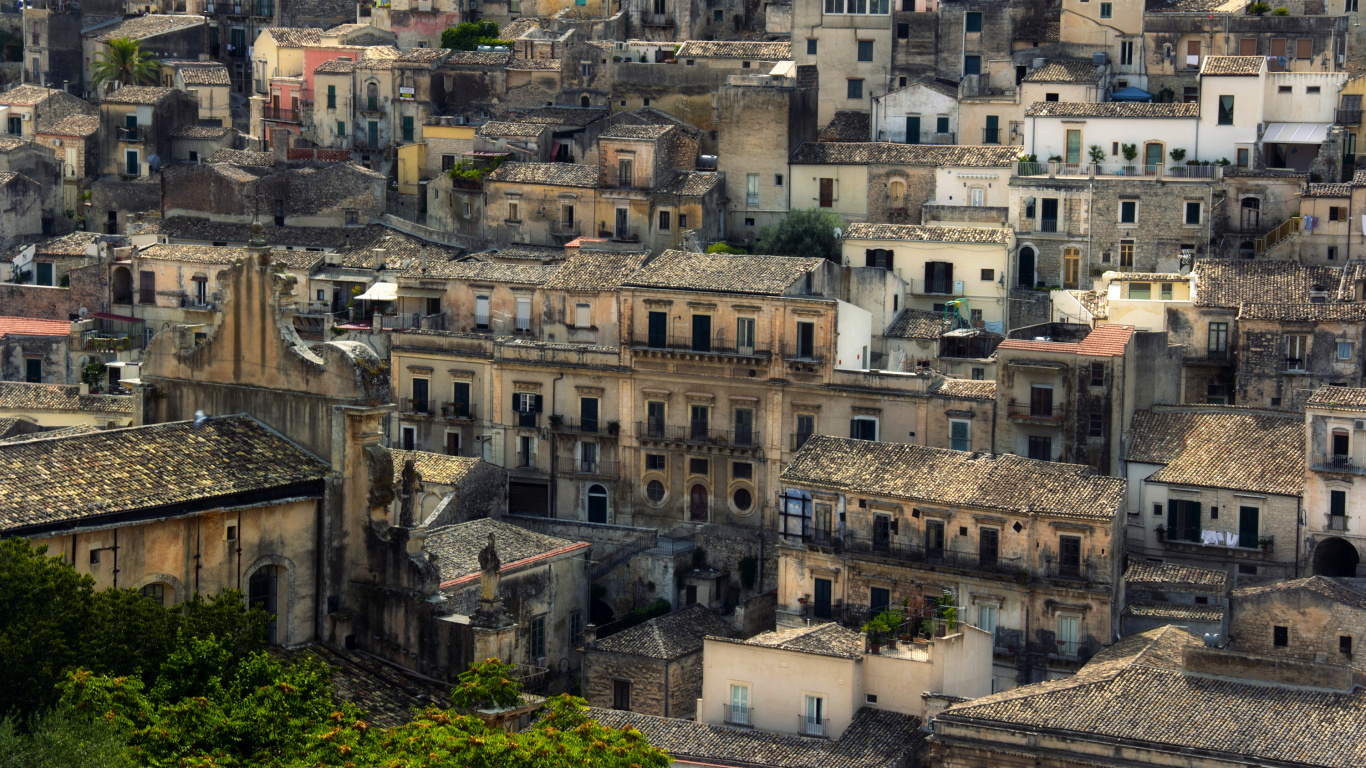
421,293
380,292
1296,133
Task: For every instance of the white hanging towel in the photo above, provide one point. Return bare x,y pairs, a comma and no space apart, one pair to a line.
1233,539
1208,539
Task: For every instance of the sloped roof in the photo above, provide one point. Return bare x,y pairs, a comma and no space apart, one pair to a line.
595,271
1349,398
554,174
927,234
918,324
1214,447
457,547
30,326
690,183
1334,590
881,152
141,27
848,125
734,49
936,475
966,389
1064,71
1232,282
1171,576
1245,66
296,37
1120,109
436,468
828,639
722,272
669,636
1103,341
23,396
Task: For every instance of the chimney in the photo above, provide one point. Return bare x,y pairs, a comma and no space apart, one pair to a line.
279,144
590,634
378,262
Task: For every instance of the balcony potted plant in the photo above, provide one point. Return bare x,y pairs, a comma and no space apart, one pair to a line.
1266,543
1161,531
613,427
556,420
446,410
1130,151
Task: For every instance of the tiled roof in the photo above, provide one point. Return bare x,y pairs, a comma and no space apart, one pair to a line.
74,244
669,636
530,252
936,475
51,434
457,546
848,125
335,67
9,426
875,739
205,75
918,324
140,27
242,157
1171,576
480,58
1328,190
195,228
1211,447
734,49
201,132
690,183
1038,30
422,55
191,254
73,125
291,37
724,273
554,174
1248,66
865,153
518,27
28,326
1335,590
387,695
526,274
1122,109
25,95
22,396
1304,312
1231,282
1102,341
138,94
595,271
828,639
436,468
8,144
927,234
341,30
1195,6
628,131
967,389
1139,691
1174,611
1061,71
495,128
563,115
164,465
534,65
1350,398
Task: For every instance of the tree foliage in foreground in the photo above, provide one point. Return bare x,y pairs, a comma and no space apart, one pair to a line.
471,35
809,232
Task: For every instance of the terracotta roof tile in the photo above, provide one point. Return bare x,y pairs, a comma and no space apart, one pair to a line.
387,695
936,475
25,95
138,94
927,234
535,65
1246,66
848,125
595,271
1232,282
1063,71
734,49
498,128
1120,109
73,125
295,37
436,468
1304,312
967,389
724,273
1350,398
201,132
480,58
669,636
1103,341
918,324
1174,611
28,326
1212,447
44,482
828,639
457,546
1335,590
690,183
874,152
1143,574
629,131
141,27
51,434
553,174
563,115
198,74
1328,190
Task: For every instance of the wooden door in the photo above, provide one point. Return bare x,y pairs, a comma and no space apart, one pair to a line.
827,193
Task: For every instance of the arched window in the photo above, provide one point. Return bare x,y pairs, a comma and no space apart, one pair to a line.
263,591
1246,250
597,504
1025,273
123,286
584,102
155,592
372,96
697,503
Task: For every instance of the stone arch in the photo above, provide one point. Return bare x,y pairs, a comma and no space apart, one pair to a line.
178,594
1335,557
1027,266
597,504
584,101
122,285
284,626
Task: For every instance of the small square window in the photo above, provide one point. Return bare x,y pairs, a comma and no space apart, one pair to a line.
1280,637
1214,513
1345,349
1312,90
1157,510
741,470
698,466
1097,374
777,179
719,16
1334,213
871,698
854,89
1247,570
94,557
903,31
979,374
1284,89
749,222
1345,644
1128,212
1106,10
988,275
655,462
1201,600
865,50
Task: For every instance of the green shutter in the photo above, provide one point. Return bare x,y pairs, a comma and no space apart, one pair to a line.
1339,503
1171,518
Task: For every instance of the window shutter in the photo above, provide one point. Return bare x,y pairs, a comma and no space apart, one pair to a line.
853,429
538,404
1195,519
948,275
516,402
1172,507
929,274
1304,48
870,257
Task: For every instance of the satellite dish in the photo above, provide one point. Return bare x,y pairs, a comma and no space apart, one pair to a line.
154,163
83,312
839,232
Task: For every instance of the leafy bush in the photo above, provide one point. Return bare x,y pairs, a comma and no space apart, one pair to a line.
809,232
723,248
1281,12
471,35
1259,9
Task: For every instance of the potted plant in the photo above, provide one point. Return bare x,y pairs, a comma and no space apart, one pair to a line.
1161,531
446,410
613,427
1130,151
556,420
1097,154
1178,156
1266,543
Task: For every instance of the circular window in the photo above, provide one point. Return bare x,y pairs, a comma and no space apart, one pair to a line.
742,498
654,491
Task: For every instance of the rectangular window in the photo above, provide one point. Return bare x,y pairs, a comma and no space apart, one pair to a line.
988,547
1067,635
959,431
811,47
621,695
698,421
1126,53
1304,48
1097,425
408,128
972,65
752,189
1192,213
1226,110
903,31
1345,349
341,129
986,618
1128,212
878,600
523,313
1166,292
481,312
1334,213
739,705
655,462
744,336
1040,448
972,22
514,212
941,125
744,426
1280,636
625,177
1183,520
583,315
1218,340
1073,147
1126,253
1040,401
934,538
806,427
1141,291
658,330
863,428
588,414
664,222
699,467
741,470
331,97
1097,374
865,50
1296,351
460,399
827,193
1106,10
806,341
1069,555
855,89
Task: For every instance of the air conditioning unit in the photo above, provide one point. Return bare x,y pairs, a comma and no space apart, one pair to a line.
539,661
1359,424
56,142
27,116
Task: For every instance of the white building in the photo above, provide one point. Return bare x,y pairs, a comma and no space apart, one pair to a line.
921,113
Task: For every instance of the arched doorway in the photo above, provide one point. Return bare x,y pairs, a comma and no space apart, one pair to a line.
263,590
1246,250
697,503
597,504
123,286
1025,273
1335,557
584,102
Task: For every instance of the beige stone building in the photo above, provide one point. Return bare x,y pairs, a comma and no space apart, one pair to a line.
813,681
1030,550
57,406
1217,488
654,668
209,84
1332,509
1163,698
1312,619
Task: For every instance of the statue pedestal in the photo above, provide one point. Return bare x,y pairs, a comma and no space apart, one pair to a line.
495,633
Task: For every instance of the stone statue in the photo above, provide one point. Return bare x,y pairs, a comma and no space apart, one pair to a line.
412,486
490,565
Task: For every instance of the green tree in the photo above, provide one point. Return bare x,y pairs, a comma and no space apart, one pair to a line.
471,35
123,62
62,738
808,232
45,612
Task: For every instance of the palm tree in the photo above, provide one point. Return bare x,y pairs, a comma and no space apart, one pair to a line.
122,62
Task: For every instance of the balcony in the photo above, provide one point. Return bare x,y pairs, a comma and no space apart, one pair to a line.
800,353
1032,412
585,426
991,135
934,287
414,407
1048,225
1347,116
688,346
656,20
570,465
1134,170
282,114
743,716
131,134
1338,463
917,553
1295,365
525,461
564,229
1072,571
810,726
458,411
698,433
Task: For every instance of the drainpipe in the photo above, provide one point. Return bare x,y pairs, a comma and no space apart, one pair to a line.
1299,532
554,490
